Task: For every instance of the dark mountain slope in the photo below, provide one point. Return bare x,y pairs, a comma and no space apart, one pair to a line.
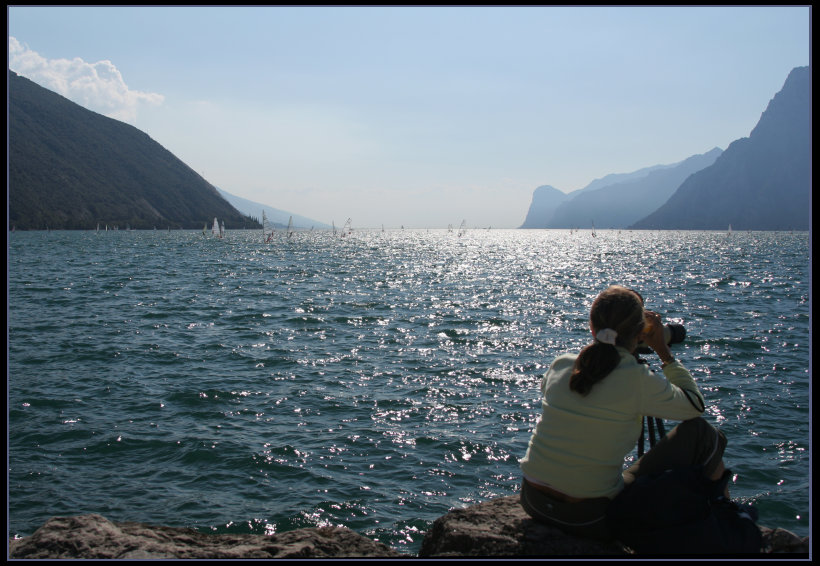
70,168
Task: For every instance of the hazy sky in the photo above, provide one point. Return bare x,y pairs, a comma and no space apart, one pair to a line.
417,116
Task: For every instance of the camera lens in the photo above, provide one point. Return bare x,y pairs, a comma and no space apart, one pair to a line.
677,333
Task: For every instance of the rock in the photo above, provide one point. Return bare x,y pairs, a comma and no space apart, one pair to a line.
95,537
495,528
781,541
500,527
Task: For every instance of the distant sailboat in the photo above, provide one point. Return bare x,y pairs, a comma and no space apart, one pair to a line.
347,229
729,233
290,228
222,230
462,228
593,230
267,230
215,228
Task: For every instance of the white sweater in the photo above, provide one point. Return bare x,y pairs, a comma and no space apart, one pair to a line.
579,444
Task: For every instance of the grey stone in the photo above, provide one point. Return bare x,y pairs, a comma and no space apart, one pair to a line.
496,528
501,527
95,537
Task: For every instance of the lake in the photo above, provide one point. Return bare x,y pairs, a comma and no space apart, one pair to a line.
374,381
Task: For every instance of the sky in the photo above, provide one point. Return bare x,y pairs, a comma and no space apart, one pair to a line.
416,116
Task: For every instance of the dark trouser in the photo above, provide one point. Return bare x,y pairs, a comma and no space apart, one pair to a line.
692,442
586,518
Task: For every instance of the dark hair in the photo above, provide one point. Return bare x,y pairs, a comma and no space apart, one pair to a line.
620,309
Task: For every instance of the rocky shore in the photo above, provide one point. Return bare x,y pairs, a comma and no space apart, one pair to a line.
495,528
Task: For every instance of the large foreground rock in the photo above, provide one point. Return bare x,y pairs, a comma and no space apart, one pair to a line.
93,536
496,528
501,528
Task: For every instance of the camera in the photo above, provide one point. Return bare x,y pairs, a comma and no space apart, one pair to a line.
673,333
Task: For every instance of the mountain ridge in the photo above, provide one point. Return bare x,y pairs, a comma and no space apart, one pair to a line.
278,218
616,200
71,168
762,182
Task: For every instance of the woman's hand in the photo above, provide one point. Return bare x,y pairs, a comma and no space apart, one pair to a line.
653,336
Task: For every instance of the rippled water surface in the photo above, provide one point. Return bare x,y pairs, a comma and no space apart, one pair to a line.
374,381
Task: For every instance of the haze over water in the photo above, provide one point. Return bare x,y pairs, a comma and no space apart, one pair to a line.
374,381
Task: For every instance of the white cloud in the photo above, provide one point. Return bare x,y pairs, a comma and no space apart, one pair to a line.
97,86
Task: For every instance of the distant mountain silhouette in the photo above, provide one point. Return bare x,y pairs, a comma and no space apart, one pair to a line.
545,200
615,178
614,201
279,218
762,182
70,168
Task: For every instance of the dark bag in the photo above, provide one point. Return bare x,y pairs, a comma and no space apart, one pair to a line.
681,511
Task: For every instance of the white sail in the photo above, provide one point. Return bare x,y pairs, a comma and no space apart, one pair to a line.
215,228
347,228
222,229
290,227
462,228
267,228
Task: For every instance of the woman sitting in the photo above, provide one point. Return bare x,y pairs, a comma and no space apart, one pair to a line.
593,408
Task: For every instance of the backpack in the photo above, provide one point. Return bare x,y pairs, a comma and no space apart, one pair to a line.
681,511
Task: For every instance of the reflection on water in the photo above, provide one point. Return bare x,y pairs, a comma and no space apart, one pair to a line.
375,381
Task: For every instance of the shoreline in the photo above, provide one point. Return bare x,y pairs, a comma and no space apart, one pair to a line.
496,528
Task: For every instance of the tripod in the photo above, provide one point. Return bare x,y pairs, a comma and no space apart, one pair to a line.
651,424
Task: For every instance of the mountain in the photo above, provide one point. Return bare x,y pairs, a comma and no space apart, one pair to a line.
545,200
614,201
762,182
614,178
279,218
625,202
71,168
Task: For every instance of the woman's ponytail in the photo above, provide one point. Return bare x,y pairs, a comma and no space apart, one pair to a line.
617,317
594,363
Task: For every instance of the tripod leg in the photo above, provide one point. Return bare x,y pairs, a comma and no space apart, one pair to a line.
641,440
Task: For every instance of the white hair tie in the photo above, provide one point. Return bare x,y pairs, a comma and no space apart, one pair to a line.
606,336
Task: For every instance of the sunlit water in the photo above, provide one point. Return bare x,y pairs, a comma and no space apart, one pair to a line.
374,381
